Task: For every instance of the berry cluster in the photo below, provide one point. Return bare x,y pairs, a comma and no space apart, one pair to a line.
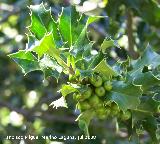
93,98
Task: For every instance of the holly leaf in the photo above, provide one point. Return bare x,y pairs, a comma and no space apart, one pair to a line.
149,58
43,22
43,46
86,73
148,104
48,62
107,43
147,80
38,13
82,43
126,95
148,121
151,125
84,120
65,26
26,60
50,67
67,89
47,46
97,59
105,69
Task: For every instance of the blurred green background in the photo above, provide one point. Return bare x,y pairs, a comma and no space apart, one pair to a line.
24,100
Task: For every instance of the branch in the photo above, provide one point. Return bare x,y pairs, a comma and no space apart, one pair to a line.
131,50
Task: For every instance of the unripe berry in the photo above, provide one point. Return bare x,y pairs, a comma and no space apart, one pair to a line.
100,91
96,81
115,110
101,113
94,100
87,93
83,106
125,116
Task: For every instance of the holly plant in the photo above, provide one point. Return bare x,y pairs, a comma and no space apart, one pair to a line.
126,91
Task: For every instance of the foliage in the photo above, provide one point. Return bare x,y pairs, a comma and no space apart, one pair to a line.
61,46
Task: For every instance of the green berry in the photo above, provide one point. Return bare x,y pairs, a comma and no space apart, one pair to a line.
87,93
94,100
83,106
100,91
125,116
96,81
108,86
101,113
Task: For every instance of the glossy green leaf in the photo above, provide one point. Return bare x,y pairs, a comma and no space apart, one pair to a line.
126,95
47,61
43,22
149,58
107,43
26,61
65,25
50,67
86,73
97,59
84,120
148,104
44,45
105,69
37,26
32,41
92,19
148,121
82,43
47,46
67,89
146,80
151,125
